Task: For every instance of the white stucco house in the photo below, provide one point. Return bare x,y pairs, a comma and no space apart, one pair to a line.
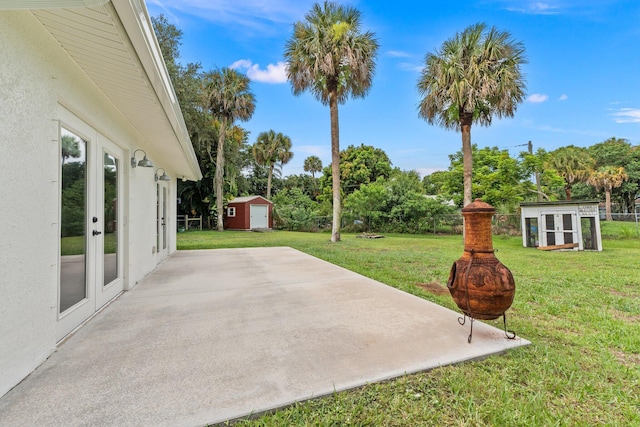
84,97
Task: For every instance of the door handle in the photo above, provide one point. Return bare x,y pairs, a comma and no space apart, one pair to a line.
96,232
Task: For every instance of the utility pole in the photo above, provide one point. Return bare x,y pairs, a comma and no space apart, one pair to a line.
538,186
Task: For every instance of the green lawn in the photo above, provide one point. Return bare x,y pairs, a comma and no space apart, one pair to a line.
581,311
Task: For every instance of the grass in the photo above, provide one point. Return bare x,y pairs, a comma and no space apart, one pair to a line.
74,245
581,310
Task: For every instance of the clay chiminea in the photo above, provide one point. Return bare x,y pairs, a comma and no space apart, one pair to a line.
481,286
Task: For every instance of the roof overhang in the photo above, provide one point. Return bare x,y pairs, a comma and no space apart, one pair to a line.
113,42
48,4
561,203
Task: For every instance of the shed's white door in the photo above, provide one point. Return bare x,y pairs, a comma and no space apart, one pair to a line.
91,232
259,216
559,228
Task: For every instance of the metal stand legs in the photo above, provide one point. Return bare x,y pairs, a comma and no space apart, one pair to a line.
511,335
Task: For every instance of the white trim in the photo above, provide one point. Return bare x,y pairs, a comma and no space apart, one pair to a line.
48,4
135,18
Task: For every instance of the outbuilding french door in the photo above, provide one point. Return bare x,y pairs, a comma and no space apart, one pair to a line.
559,228
91,219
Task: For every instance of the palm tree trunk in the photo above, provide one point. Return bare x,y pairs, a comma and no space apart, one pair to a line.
607,204
219,176
467,156
335,166
269,181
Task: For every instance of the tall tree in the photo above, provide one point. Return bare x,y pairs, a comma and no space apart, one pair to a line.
227,97
473,77
313,164
618,152
70,147
573,164
330,57
607,178
271,149
361,164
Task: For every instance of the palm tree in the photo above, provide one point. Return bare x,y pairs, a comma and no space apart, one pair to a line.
573,164
330,57
313,164
472,78
70,147
270,149
607,178
228,98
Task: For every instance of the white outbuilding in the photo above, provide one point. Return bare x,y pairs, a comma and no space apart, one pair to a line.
92,141
565,225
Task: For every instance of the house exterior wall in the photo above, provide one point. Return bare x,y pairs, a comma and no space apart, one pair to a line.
38,83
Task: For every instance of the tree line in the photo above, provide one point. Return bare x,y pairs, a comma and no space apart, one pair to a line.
474,77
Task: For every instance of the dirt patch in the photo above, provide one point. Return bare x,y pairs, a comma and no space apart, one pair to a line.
434,287
627,317
627,359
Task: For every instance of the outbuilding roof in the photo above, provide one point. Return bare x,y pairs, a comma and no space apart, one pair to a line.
113,42
561,202
246,199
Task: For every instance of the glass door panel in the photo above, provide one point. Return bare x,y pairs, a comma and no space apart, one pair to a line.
109,268
164,217
73,221
110,225
162,212
560,228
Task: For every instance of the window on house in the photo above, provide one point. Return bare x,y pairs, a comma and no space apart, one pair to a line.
231,211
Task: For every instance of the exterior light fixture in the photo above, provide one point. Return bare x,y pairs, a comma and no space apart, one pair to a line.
163,177
146,163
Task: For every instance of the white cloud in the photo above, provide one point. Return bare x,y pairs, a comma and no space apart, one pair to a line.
257,15
407,66
274,73
315,150
563,97
428,171
627,115
532,7
398,54
242,64
537,98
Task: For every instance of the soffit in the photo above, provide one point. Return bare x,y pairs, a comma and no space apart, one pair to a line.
95,38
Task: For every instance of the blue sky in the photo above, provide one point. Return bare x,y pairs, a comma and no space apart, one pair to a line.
583,72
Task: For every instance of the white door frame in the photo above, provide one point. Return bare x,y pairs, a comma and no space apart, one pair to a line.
163,216
96,292
558,228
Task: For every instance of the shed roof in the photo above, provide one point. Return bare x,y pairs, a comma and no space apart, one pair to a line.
246,199
561,203
113,42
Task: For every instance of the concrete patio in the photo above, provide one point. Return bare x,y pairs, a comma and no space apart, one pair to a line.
214,335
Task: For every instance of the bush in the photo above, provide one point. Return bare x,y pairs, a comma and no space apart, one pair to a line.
293,210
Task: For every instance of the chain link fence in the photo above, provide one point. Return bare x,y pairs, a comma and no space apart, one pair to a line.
502,224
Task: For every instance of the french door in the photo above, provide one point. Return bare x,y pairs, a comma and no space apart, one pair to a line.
91,220
559,228
162,218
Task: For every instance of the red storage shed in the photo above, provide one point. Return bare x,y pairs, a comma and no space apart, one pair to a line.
248,213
